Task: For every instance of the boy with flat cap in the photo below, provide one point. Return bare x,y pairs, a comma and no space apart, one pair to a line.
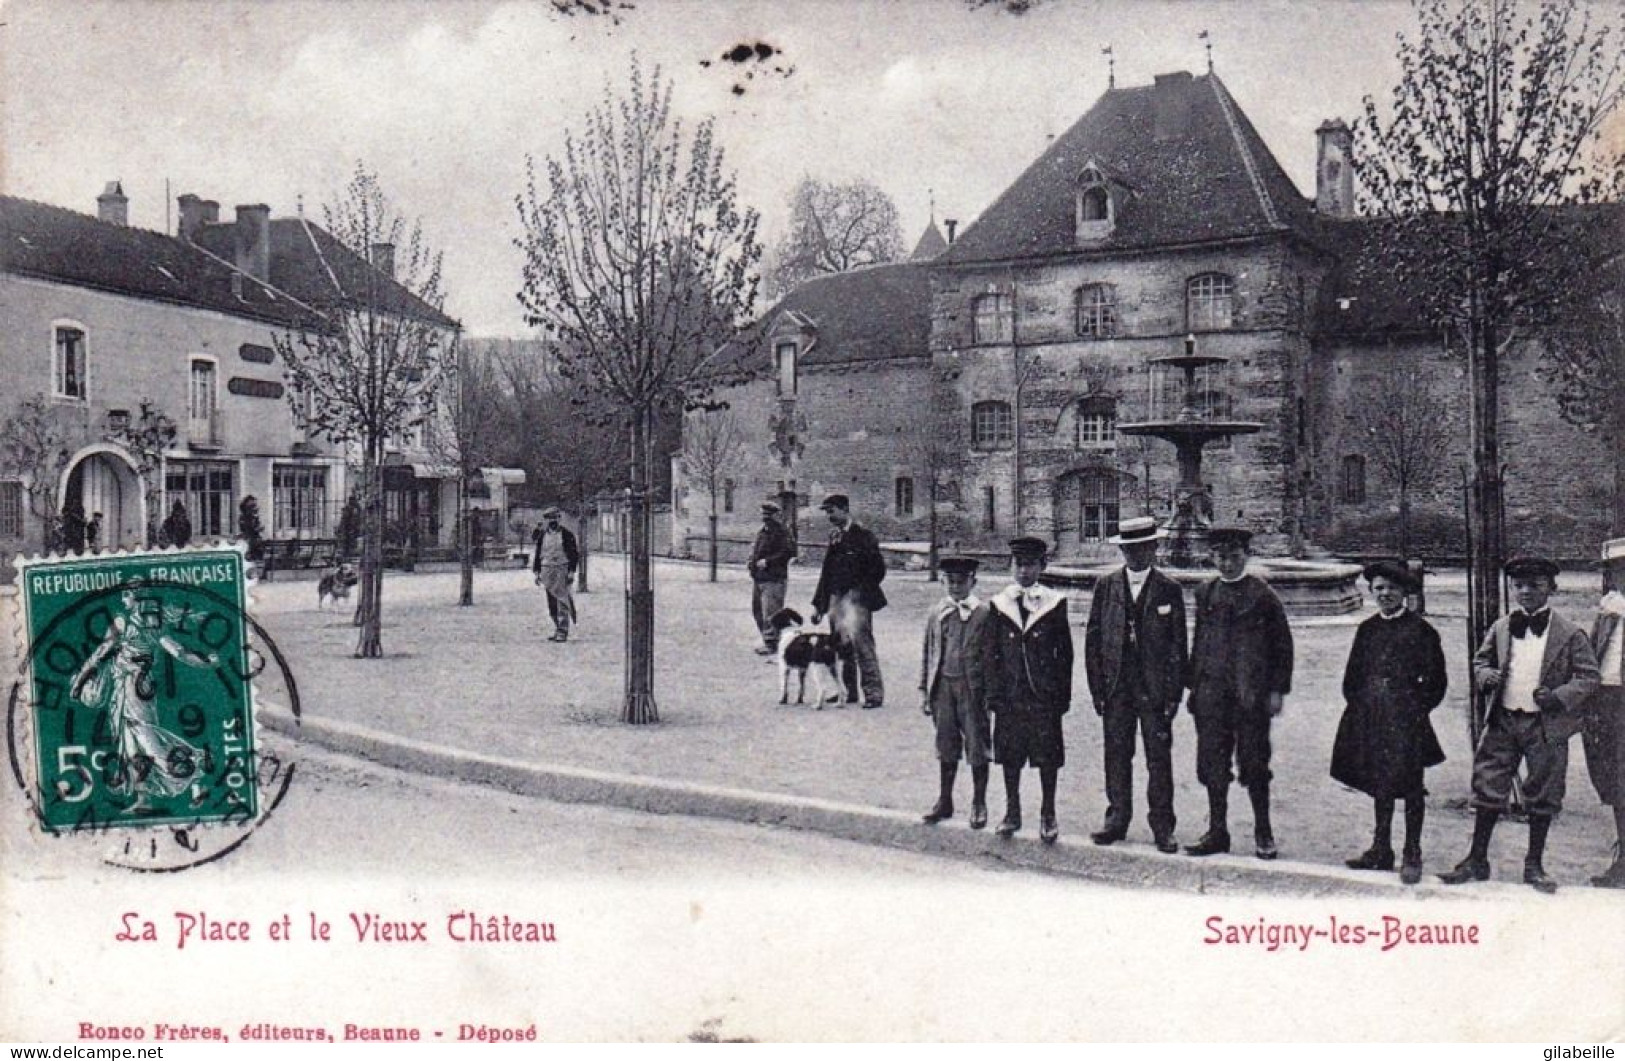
1604,733
952,691
1537,670
1134,652
1240,673
1028,670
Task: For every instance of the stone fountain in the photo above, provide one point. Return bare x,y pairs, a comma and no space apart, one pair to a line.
1306,587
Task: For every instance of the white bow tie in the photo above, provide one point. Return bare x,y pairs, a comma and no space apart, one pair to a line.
1033,599
963,607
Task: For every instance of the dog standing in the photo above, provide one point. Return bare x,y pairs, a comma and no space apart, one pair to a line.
801,651
335,586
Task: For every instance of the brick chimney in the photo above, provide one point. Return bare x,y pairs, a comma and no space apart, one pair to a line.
383,258
112,206
194,214
1172,104
251,241
953,224
1334,173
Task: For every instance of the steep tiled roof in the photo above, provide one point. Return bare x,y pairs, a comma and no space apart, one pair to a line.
51,243
305,261
876,314
1185,166
930,245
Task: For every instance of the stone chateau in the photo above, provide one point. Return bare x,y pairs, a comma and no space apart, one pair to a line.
992,370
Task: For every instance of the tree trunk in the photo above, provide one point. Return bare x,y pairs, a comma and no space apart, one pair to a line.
713,549
581,550
1404,523
639,707
465,545
369,610
1489,544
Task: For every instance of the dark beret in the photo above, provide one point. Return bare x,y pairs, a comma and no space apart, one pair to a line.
959,565
1230,536
1392,570
1028,548
836,501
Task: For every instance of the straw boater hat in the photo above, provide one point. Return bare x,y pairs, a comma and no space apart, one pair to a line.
770,508
1138,529
552,512
1613,551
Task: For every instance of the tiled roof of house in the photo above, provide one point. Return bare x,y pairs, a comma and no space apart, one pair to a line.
876,314
1184,165
52,243
930,245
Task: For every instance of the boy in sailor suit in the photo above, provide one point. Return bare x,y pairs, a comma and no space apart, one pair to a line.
1028,670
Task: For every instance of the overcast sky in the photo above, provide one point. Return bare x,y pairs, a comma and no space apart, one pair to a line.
271,101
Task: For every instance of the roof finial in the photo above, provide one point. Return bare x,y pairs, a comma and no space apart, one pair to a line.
1207,42
1111,66
299,200
932,194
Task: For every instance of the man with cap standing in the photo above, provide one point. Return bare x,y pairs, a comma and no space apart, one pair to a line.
849,591
952,690
1604,733
1240,673
1537,671
1134,652
1395,676
1028,671
554,563
769,573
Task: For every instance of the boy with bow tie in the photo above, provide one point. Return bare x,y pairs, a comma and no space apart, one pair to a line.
1537,669
1028,670
1604,733
952,690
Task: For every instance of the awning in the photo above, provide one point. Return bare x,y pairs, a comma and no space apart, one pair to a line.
505,476
421,471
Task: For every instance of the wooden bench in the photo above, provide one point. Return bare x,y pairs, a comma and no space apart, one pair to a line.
288,553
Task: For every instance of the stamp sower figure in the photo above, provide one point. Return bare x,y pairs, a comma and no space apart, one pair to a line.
769,572
1028,670
1395,676
1604,733
849,591
1240,673
554,563
1134,653
952,689
1537,670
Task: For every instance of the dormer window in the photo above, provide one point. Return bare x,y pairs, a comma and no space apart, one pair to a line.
784,355
1096,208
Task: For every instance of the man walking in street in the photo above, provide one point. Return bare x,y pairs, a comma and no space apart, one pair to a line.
1604,733
1536,671
1240,673
769,574
1134,653
554,562
849,592
952,689
1028,670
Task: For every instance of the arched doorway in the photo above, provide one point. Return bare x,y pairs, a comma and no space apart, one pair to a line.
1088,504
104,480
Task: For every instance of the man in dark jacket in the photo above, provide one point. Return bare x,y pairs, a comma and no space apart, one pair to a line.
554,564
769,573
1604,732
849,591
1027,668
1134,653
1240,673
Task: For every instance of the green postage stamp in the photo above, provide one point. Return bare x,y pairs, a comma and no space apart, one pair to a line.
138,690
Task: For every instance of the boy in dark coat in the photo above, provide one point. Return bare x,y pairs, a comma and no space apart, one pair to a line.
1028,670
1604,734
1394,678
1240,673
1134,653
1537,670
952,691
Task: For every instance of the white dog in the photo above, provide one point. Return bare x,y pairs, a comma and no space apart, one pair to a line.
801,651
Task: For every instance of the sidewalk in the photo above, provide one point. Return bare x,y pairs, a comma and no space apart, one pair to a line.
479,694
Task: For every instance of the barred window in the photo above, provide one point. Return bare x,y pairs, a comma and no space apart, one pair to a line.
993,319
1353,484
992,425
207,490
1097,311
1099,505
11,509
905,496
1097,422
1210,302
299,499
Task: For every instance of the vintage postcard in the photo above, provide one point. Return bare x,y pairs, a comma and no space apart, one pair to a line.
775,520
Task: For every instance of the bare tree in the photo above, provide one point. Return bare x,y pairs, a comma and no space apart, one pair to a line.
1494,124
1587,362
371,369
713,444
1406,436
147,438
477,423
641,264
36,443
834,228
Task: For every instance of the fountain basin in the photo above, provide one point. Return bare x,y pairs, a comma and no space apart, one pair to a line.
1306,587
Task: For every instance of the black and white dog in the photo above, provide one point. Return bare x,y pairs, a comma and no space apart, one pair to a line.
801,651
335,585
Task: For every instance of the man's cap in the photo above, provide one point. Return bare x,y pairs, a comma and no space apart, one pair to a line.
770,508
1230,536
552,512
1393,571
1613,549
836,501
1028,548
1530,567
1138,529
959,565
